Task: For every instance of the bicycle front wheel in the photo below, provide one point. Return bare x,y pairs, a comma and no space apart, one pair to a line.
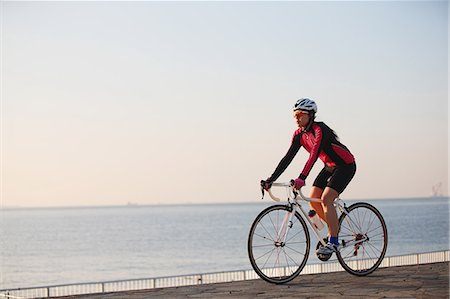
277,247
363,233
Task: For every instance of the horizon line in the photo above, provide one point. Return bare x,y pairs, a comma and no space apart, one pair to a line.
136,204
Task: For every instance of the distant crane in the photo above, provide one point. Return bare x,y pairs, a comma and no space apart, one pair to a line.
436,190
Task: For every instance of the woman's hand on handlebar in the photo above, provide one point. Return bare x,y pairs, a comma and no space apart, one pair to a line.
266,184
298,183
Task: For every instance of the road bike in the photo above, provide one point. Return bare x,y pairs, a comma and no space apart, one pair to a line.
279,241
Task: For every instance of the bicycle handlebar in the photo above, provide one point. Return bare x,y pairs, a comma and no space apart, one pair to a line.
274,198
294,191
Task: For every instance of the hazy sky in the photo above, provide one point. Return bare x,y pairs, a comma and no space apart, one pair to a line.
105,103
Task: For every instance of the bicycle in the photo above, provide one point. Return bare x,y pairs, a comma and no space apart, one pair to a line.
279,241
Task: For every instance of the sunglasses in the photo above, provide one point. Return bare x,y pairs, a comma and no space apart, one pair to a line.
299,113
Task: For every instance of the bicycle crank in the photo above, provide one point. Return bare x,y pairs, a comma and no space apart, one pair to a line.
322,257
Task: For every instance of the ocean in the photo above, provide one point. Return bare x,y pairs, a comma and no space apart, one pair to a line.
49,246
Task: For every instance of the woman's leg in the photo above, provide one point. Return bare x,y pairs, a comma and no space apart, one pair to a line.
316,192
319,185
337,183
328,197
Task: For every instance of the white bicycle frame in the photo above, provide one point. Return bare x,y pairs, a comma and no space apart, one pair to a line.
293,196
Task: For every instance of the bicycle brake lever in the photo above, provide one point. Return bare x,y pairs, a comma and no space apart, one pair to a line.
295,192
262,191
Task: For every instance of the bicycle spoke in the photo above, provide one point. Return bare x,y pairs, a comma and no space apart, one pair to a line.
347,232
297,242
366,251
272,239
275,228
270,251
370,223
373,248
344,236
380,234
264,245
374,229
294,250
285,258
358,220
372,240
361,220
295,220
264,237
277,259
350,253
291,258
294,236
350,221
343,227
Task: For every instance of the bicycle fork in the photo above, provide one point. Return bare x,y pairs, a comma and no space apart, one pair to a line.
288,223
284,229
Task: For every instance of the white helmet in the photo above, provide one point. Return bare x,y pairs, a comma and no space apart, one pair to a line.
306,105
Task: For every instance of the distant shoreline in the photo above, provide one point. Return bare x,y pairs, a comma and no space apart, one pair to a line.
146,205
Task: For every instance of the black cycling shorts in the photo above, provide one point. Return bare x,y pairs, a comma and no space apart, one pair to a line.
336,177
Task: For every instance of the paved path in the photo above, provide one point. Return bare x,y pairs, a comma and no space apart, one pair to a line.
420,281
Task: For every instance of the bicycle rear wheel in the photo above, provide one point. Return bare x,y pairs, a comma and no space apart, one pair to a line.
364,236
272,258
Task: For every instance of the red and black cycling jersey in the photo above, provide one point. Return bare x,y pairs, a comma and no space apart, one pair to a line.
321,142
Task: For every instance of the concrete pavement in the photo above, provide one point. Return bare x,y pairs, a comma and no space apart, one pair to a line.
418,281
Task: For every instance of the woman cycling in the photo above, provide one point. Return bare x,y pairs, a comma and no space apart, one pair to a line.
321,142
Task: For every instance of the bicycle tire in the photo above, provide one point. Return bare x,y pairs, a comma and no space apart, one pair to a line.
363,258
261,233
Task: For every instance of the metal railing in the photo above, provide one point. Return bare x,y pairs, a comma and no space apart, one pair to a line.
197,279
